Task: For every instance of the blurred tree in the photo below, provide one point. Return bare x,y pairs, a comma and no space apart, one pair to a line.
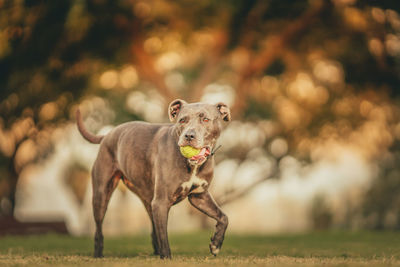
49,52
381,205
318,69
320,213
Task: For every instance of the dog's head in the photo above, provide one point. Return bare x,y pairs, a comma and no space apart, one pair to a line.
198,125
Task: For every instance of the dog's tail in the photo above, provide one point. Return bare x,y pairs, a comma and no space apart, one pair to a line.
94,139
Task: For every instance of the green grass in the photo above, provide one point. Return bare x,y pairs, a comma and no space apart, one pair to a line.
315,249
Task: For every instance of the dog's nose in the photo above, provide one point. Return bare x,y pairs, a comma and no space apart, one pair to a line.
190,135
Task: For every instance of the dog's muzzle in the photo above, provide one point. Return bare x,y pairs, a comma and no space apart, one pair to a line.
200,158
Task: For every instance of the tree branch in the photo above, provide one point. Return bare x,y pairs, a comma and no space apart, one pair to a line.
242,191
210,68
147,70
273,50
223,40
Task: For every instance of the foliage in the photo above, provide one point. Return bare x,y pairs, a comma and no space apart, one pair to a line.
321,71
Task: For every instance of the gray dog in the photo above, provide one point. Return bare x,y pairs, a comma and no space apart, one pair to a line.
147,158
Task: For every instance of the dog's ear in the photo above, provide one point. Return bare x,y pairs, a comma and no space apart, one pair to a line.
224,111
174,109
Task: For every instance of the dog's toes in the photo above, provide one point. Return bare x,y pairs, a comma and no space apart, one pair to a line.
165,257
214,249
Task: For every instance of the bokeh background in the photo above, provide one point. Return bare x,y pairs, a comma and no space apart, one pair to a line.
313,86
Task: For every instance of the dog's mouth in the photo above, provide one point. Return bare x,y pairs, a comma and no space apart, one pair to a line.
195,155
203,154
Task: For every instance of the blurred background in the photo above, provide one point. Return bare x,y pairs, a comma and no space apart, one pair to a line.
313,86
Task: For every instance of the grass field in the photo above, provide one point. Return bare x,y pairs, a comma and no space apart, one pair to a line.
312,249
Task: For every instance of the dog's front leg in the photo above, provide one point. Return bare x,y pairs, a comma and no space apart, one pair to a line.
206,204
160,209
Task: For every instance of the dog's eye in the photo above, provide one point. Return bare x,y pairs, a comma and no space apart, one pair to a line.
206,120
182,121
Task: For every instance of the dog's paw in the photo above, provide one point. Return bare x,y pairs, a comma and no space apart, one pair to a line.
165,257
214,249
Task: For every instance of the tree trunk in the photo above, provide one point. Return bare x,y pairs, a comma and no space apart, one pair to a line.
13,184
12,180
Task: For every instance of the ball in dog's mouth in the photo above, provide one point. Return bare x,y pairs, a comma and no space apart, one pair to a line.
195,154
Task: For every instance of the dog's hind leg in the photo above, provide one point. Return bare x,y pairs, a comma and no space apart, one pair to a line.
206,204
105,179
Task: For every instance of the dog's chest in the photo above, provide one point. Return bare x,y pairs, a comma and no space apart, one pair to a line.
195,184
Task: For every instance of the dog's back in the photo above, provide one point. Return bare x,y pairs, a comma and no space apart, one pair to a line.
132,145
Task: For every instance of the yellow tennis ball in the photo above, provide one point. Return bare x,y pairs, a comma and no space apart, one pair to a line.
188,151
